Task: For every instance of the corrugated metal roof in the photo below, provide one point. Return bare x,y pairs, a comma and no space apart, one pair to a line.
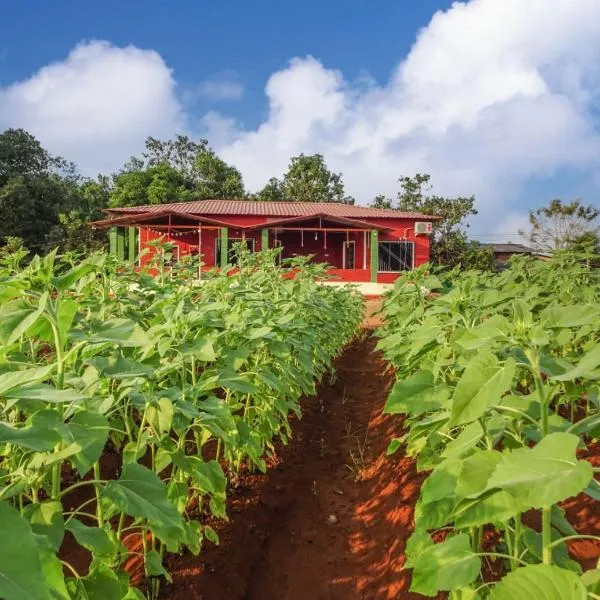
515,248
272,209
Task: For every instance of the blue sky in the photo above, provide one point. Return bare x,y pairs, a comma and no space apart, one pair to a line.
488,97
247,40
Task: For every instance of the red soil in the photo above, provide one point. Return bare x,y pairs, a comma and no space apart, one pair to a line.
331,518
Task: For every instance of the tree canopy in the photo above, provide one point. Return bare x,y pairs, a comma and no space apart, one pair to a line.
449,243
307,180
175,171
564,225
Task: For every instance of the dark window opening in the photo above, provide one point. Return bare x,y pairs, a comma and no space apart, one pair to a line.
395,257
349,257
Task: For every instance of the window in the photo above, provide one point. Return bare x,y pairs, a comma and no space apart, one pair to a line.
231,258
395,256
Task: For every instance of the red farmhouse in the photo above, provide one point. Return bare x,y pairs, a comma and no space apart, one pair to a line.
360,243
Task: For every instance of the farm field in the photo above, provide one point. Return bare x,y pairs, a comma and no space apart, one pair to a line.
151,445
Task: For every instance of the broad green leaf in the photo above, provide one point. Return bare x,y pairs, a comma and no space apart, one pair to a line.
543,475
438,495
14,379
482,385
44,393
94,539
476,471
540,581
46,519
30,436
395,445
119,367
468,438
584,367
495,507
559,521
122,332
140,493
485,334
211,534
577,315
102,583
446,566
74,274
54,577
160,415
257,332
201,348
21,575
560,553
90,432
237,383
208,476
17,317
154,566
416,395
416,544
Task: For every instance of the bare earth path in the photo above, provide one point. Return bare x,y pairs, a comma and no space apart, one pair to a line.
331,518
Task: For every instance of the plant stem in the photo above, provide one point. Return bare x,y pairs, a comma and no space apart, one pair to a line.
99,510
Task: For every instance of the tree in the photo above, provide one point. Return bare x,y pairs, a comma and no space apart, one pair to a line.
35,188
21,155
449,243
73,231
175,171
217,179
563,226
272,192
309,180
381,201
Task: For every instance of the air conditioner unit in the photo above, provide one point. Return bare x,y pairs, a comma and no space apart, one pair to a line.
422,227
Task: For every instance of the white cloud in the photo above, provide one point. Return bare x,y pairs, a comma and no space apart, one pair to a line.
492,94
97,106
221,88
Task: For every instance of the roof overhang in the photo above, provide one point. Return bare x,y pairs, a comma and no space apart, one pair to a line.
155,218
344,221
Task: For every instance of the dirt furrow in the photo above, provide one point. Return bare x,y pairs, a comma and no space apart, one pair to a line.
330,519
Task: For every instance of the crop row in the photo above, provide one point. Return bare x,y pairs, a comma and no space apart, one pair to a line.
129,401
497,380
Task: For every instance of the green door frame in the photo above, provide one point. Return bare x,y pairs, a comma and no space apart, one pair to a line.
121,243
374,254
112,240
132,244
264,239
224,239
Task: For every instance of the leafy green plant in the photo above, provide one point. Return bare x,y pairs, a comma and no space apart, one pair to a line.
129,400
497,379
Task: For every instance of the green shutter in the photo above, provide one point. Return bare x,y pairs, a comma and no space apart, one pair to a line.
112,240
132,244
121,242
224,246
264,240
374,255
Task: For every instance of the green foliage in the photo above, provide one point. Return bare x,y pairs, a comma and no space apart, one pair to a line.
562,225
307,180
161,370
449,243
175,171
493,373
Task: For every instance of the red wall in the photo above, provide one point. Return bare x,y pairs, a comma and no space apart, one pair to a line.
400,229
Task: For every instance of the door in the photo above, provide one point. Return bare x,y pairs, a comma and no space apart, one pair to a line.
349,255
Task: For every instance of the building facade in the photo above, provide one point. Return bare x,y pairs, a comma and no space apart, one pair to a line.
359,243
